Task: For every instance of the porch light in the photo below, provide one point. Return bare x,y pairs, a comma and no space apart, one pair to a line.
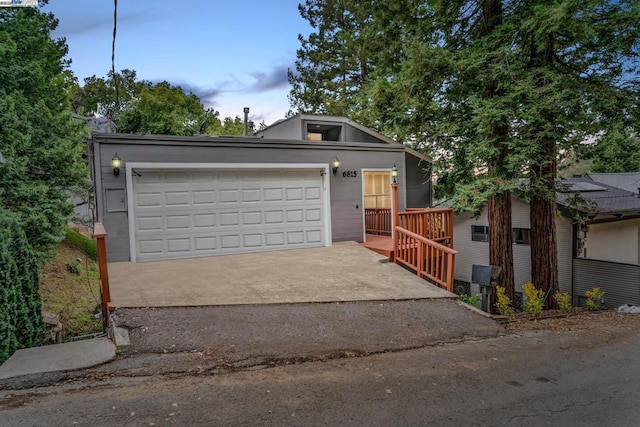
394,174
336,165
116,162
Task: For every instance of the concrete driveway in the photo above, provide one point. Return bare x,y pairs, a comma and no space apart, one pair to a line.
343,272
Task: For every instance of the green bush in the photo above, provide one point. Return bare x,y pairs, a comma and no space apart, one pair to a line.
533,299
471,300
85,244
503,303
594,296
564,302
21,323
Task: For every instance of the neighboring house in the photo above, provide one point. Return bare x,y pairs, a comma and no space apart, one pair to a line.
629,181
471,237
301,182
598,237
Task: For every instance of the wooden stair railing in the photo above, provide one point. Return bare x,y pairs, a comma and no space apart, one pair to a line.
429,259
433,224
100,233
423,241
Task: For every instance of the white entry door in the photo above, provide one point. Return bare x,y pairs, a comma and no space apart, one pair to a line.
188,213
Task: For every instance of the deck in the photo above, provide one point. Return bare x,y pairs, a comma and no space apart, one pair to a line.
380,244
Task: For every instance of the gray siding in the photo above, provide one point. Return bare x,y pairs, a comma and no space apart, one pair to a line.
356,135
346,193
620,282
418,182
287,129
565,253
470,252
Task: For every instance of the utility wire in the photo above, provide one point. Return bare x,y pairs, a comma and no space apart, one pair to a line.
116,107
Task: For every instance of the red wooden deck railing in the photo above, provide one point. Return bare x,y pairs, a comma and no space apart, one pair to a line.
429,259
100,233
434,224
423,241
377,221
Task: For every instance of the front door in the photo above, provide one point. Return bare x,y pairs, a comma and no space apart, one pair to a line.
377,202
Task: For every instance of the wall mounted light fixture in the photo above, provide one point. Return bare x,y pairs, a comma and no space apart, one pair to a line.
336,165
116,162
394,174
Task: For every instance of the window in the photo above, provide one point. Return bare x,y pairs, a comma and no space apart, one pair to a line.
314,136
521,236
480,233
377,191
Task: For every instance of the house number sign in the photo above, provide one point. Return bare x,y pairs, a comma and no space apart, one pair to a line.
350,174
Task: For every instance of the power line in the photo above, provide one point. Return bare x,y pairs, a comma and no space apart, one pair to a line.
116,107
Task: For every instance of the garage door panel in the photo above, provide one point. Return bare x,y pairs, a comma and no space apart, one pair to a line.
206,243
179,245
203,197
273,194
180,214
204,220
251,195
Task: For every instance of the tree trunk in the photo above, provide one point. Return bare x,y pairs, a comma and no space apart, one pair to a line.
499,205
542,213
500,244
542,208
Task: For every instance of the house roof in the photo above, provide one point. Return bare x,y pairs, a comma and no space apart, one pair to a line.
595,197
356,125
629,181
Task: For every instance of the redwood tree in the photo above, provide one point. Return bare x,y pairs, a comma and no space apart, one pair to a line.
496,91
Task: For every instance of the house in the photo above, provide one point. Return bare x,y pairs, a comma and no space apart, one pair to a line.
302,182
598,241
629,181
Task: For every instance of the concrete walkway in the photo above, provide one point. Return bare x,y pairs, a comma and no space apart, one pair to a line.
58,357
343,272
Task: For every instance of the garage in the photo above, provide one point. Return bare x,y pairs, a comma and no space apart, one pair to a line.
183,211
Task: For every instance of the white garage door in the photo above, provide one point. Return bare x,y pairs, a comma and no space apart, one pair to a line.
202,212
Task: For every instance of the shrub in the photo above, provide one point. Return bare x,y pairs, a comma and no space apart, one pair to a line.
564,302
21,323
503,303
471,300
533,298
85,244
594,297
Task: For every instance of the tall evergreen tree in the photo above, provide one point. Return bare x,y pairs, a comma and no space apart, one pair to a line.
40,141
496,90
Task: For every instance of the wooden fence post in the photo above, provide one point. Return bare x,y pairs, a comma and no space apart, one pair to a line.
100,233
394,219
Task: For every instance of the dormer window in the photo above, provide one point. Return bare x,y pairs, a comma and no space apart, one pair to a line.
314,136
324,132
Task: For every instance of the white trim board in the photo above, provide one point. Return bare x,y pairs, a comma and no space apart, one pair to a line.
129,166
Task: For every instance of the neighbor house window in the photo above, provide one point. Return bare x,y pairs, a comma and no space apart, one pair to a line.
521,236
480,233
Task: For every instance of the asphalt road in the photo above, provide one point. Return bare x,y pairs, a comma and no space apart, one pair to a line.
585,378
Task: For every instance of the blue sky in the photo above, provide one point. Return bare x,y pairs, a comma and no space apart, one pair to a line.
232,54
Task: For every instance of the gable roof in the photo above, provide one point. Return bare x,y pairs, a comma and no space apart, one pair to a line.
599,197
344,120
629,181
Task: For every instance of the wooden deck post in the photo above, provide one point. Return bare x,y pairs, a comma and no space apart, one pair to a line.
394,219
100,233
